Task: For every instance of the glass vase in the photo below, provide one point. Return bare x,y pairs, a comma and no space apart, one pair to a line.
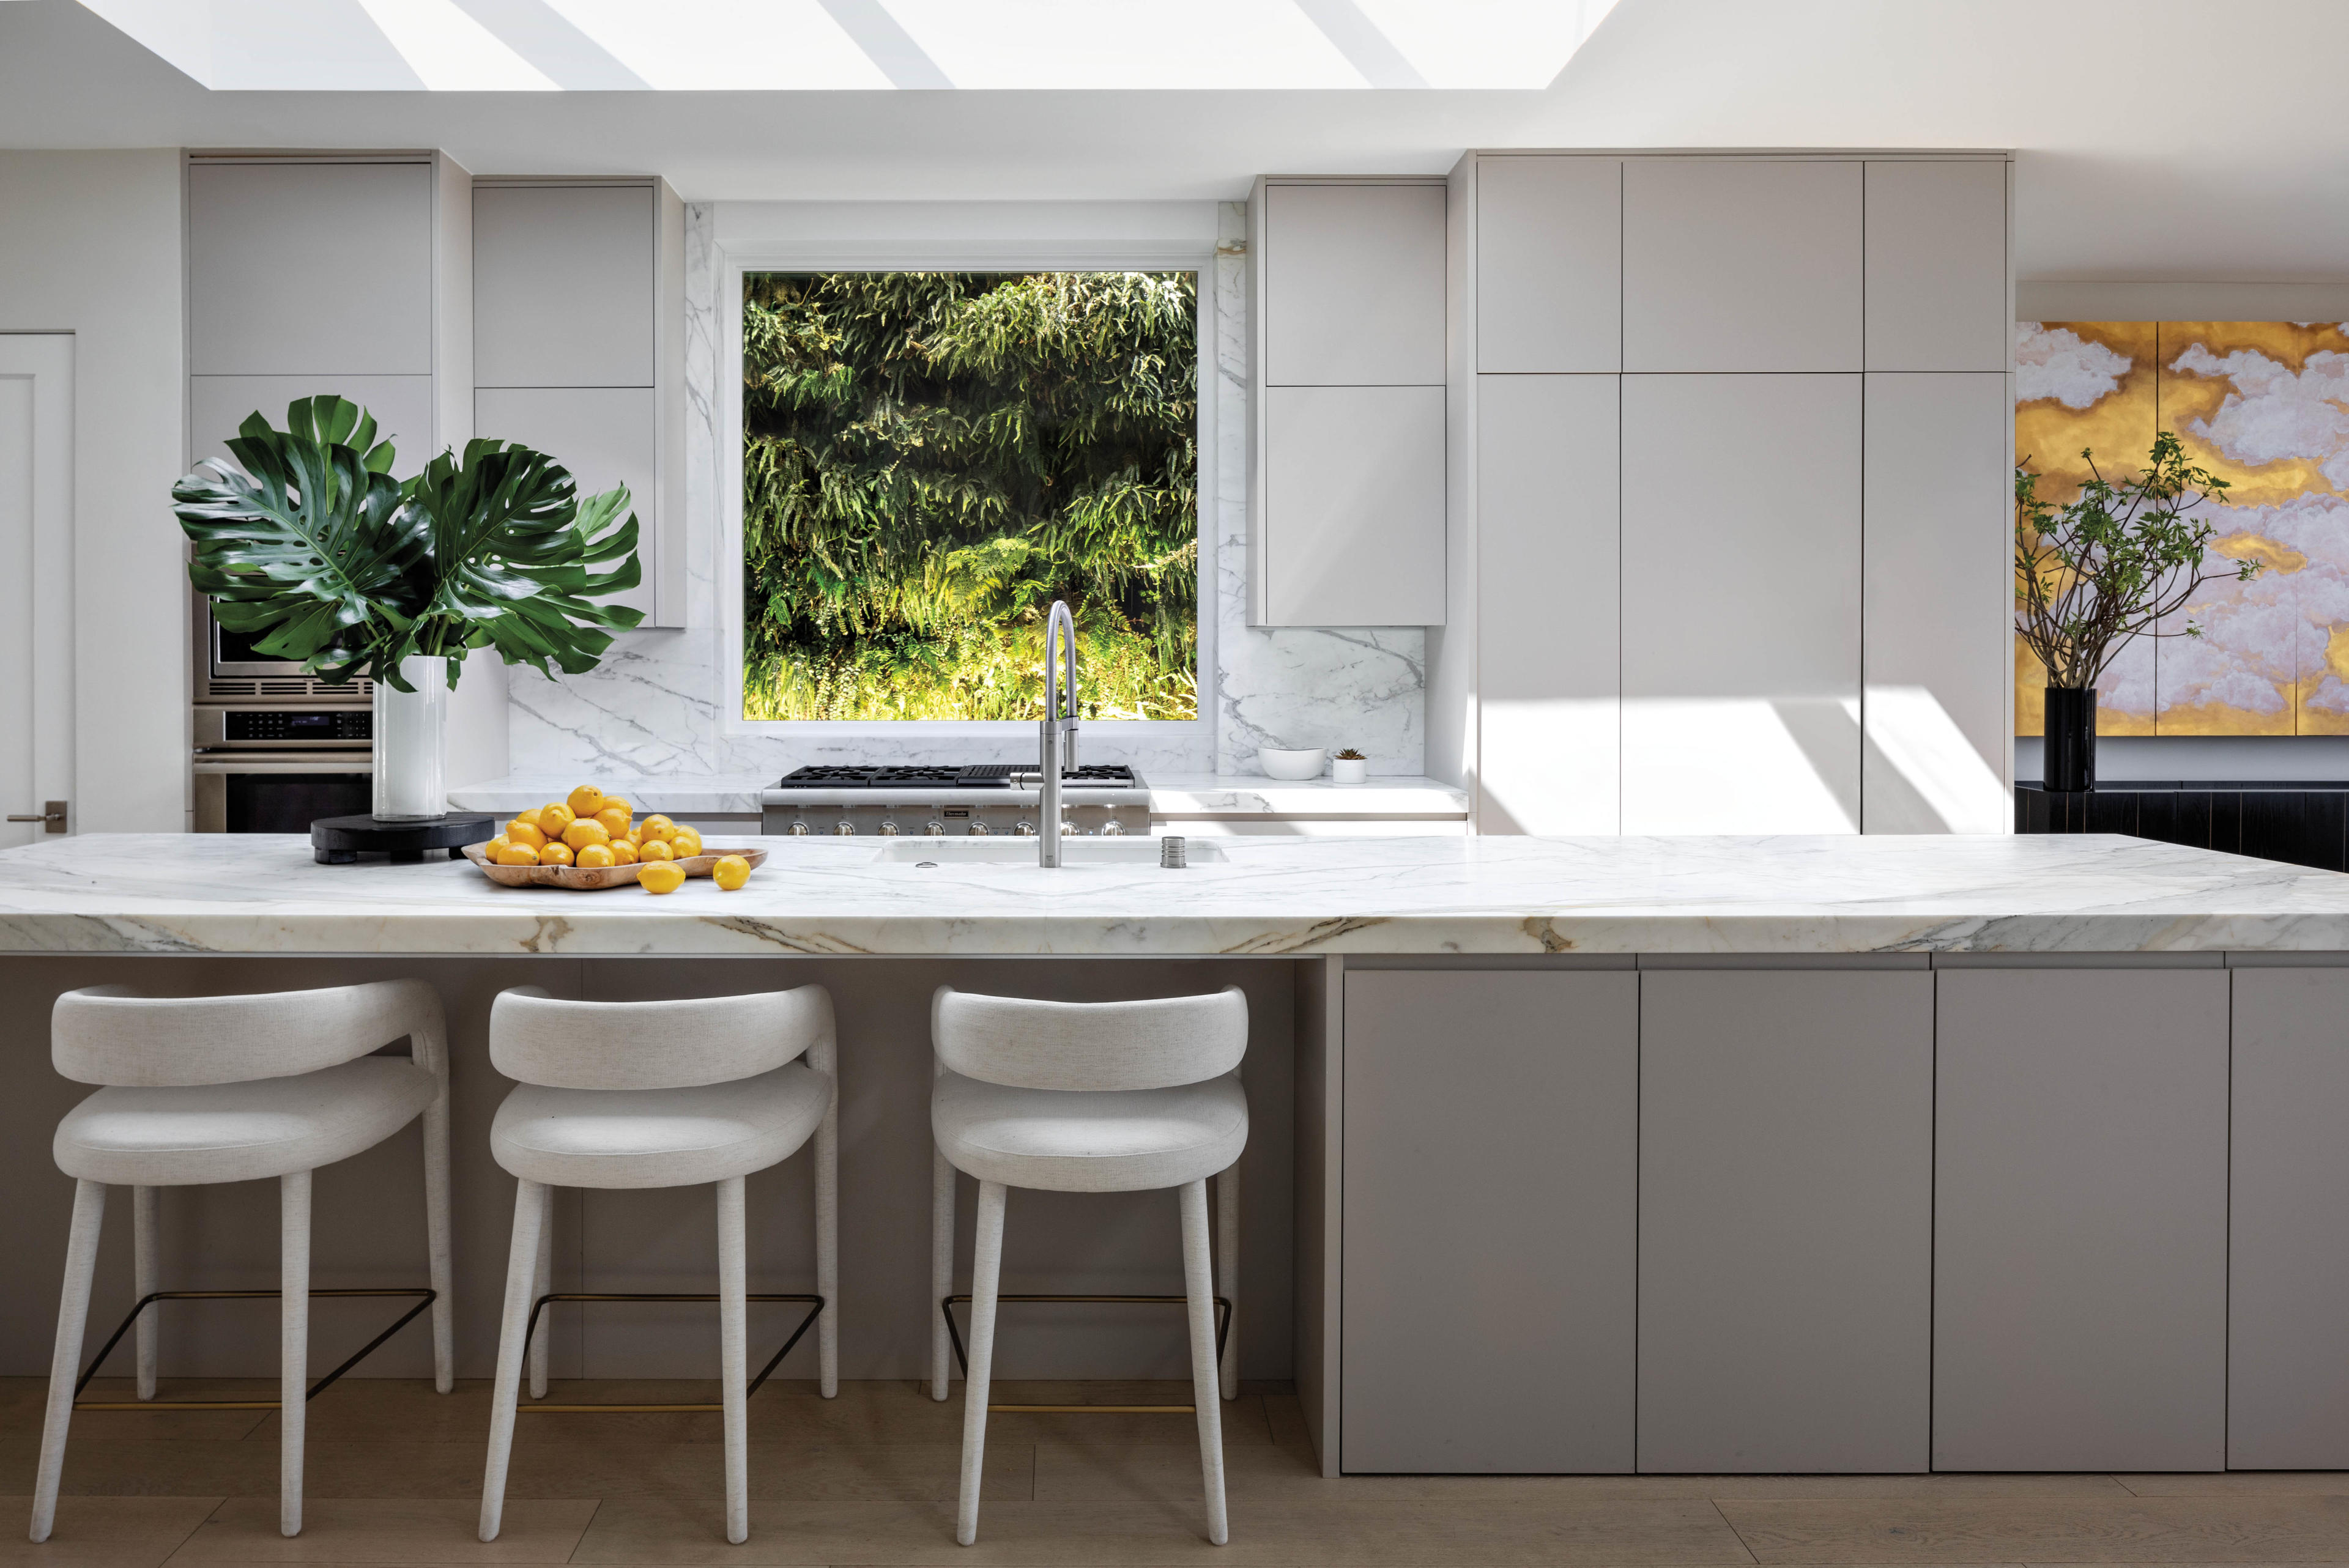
2068,751
411,743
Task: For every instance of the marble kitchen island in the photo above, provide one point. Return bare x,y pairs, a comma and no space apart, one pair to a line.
1568,1155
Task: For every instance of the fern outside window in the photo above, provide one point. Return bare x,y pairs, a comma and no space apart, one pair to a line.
930,459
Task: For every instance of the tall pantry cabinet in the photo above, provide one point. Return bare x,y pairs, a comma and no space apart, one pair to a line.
1727,477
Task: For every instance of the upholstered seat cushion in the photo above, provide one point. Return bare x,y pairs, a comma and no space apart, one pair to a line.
239,1131
1093,1141
658,1137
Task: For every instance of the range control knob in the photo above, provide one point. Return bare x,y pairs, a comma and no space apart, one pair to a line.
1112,828
978,828
935,828
888,829
844,829
799,830
1025,829
1068,829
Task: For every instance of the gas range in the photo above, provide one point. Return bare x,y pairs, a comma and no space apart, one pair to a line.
981,799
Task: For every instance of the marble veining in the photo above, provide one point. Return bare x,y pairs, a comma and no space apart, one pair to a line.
2082,894
653,708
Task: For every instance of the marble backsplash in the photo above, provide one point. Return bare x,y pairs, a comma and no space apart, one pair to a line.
655,706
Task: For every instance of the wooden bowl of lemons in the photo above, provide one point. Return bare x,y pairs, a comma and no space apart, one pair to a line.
593,840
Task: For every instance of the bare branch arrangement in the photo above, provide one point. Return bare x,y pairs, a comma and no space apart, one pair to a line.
2114,562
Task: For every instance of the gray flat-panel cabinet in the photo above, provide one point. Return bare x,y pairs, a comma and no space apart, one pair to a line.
1741,608
562,286
1548,623
1489,1190
2288,1330
1939,591
2080,1220
1937,265
316,269
401,405
1549,265
1741,264
1785,1221
1353,506
1353,286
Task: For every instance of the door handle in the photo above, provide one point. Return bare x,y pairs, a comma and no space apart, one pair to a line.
52,814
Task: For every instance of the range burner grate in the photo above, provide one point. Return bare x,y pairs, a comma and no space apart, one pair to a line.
977,776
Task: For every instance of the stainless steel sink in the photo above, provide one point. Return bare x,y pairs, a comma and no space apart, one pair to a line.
961,852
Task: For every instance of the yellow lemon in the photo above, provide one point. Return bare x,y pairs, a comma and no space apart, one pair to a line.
586,801
656,827
593,857
586,830
490,849
624,851
687,842
655,850
730,871
530,816
557,854
526,834
617,803
614,820
517,855
552,818
664,876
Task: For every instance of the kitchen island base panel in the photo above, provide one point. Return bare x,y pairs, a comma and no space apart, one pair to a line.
227,1237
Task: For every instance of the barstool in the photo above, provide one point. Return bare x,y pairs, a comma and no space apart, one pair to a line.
1088,1096
203,1090
661,1094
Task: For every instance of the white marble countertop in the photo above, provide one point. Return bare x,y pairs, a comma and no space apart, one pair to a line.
1176,795
238,893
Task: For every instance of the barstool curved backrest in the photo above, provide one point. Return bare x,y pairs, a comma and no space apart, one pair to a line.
539,1039
111,1034
1026,1044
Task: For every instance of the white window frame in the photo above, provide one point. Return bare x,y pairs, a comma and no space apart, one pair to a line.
978,237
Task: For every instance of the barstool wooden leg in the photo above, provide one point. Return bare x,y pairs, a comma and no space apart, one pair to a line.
521,1268
1227,1271
146,1219
942,1244
827,1232
1199,1288
440,1254
64,1360
293,1344
985,1275
733,1341
541,1282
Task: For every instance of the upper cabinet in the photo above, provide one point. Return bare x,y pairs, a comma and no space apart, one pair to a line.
1353,286
1346,473
1742,264
1937,265
579,348
1550,265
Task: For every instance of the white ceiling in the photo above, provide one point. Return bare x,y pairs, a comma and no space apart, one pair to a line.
2154,138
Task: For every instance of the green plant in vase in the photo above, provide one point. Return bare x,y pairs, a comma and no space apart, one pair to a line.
2111,564
309,544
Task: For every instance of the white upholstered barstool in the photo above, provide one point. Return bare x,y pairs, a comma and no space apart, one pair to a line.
661,1094
202,1089
1088,1097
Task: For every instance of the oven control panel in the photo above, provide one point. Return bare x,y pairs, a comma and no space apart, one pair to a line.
282,728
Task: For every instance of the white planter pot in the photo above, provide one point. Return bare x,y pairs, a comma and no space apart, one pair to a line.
411,743
1349,769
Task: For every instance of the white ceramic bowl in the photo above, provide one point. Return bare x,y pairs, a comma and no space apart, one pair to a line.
1291,765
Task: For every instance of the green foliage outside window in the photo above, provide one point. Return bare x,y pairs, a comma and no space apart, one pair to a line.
931,458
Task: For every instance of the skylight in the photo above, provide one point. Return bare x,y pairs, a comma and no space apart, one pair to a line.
673,46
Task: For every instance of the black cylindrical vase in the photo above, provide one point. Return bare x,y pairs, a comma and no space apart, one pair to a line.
2068,753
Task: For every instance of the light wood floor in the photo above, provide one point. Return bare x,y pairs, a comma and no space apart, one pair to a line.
869,1477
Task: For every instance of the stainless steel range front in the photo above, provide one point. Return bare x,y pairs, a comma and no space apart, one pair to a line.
988,799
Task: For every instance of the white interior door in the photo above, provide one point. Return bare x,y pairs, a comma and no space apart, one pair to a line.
36,580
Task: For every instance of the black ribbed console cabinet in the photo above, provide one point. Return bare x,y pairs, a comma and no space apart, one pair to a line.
2299,823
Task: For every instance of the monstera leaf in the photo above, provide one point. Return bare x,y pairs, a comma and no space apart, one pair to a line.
510,551
309,544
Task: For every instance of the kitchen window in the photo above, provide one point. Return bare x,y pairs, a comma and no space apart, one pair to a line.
928,458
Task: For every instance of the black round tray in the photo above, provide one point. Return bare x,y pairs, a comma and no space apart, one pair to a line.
341,840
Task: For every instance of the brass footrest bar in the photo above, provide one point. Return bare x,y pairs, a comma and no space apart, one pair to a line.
422,1292
1223,1328
764,1373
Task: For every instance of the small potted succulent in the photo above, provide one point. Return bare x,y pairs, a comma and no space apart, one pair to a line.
1349,767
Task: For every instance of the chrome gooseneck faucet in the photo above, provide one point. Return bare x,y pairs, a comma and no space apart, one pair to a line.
1057,735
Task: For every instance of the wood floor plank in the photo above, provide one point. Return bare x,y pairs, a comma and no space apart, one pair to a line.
2316,1483
1132,1535
24,1400
2240,1529
386,1530
112,1532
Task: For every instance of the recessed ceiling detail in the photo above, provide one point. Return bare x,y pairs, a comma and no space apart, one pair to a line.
738,45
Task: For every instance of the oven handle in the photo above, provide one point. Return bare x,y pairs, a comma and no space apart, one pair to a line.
307,762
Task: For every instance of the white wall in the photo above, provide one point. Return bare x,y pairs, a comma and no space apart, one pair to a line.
90,244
